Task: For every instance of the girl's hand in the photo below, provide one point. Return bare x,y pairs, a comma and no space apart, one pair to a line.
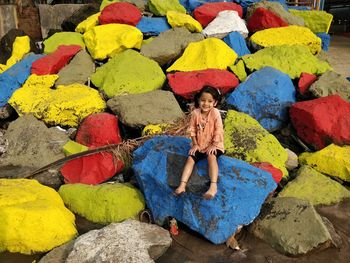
193,150
211,150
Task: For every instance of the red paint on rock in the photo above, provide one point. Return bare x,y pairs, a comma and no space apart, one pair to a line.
54,62
263,19
275,172
121,13
322,121
186,84
305,81
206,13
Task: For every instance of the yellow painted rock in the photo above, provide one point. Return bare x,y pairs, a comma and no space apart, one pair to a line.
105,203
290,35
72,147
333,160
20,47
107,40
33,217
247,140
161,7
154,129
88,23
208,53
303,187
66,105
317,21
63,38
239,70
176,19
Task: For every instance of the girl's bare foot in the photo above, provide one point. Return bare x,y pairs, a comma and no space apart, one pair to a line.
181,189
211,191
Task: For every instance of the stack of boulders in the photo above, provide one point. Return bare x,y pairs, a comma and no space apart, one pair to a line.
134,65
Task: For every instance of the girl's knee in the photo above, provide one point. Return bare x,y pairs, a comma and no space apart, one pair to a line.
211,157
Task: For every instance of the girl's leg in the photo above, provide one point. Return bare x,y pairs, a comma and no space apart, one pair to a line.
213,174
186,173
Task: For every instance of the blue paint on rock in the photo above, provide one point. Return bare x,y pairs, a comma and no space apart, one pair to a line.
242,189
15,76
191,5
153,25
237,42
265,96
326,39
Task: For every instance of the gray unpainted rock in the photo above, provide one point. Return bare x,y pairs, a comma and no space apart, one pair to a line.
331,83
130,241
292,161
169,45
6,111
32,144
52,16
70,23
138,110
291,226
58,254
140,4
78,70
8,21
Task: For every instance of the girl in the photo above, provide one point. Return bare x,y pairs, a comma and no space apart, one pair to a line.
207,138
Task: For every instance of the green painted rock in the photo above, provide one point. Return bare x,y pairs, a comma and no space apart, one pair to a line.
303,187
324,161
331,83
62,38
239,70
160,7
128,73
317,21
105,203
291,226
247,140
292,60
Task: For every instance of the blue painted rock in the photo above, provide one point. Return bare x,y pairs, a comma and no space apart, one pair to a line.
14,77
237,42
242,188
153,25
326,39
265,96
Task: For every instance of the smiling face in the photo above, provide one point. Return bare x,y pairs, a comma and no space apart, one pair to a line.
206,102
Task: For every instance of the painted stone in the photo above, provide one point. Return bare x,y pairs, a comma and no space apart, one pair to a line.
263,19
120,13
63,38
176,19
153,25
318,21
237,42
161,7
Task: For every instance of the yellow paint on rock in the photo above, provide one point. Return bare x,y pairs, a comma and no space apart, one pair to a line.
333,160
65,105
33,217
88,23
176,19
20,47
72,147
107,40
205,54
290,35
154,129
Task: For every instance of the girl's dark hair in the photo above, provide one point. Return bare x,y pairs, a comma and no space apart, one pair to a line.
207,89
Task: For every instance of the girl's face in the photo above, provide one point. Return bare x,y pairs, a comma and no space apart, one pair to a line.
206,102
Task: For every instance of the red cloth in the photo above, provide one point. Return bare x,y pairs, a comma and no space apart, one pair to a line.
275,172
121,13
263,19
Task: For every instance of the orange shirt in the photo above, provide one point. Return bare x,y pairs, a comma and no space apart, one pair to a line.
208,131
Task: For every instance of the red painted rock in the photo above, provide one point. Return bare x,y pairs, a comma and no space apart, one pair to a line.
186,84
99,129
275,172
206,13
305,81
322,121
121,13
52,63
263,19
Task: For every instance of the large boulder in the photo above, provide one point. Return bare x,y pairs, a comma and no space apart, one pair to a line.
105,203
87,24
130,241
117,76
176,19
205,54
32,144
331,83
322,121
141,4
247,140
14,77
63,38
237,42
65,105
120,13
242,188
169,45
266,96
78,16
108,40
317,21
291,226
303,187
153,25
263,19
161,7
324,161
143,110
292,60
239,70
33,217
186,84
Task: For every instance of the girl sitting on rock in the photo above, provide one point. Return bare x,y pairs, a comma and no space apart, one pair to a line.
207,138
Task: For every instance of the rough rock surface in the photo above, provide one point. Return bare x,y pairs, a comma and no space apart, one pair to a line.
317,21
70,23
237,42
176,19
87,24
141,4
143,110
303,187
263,19
58,254
62,38
161,7
153,26
169,45
239,70
120,13
130,241
305,81
6,111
